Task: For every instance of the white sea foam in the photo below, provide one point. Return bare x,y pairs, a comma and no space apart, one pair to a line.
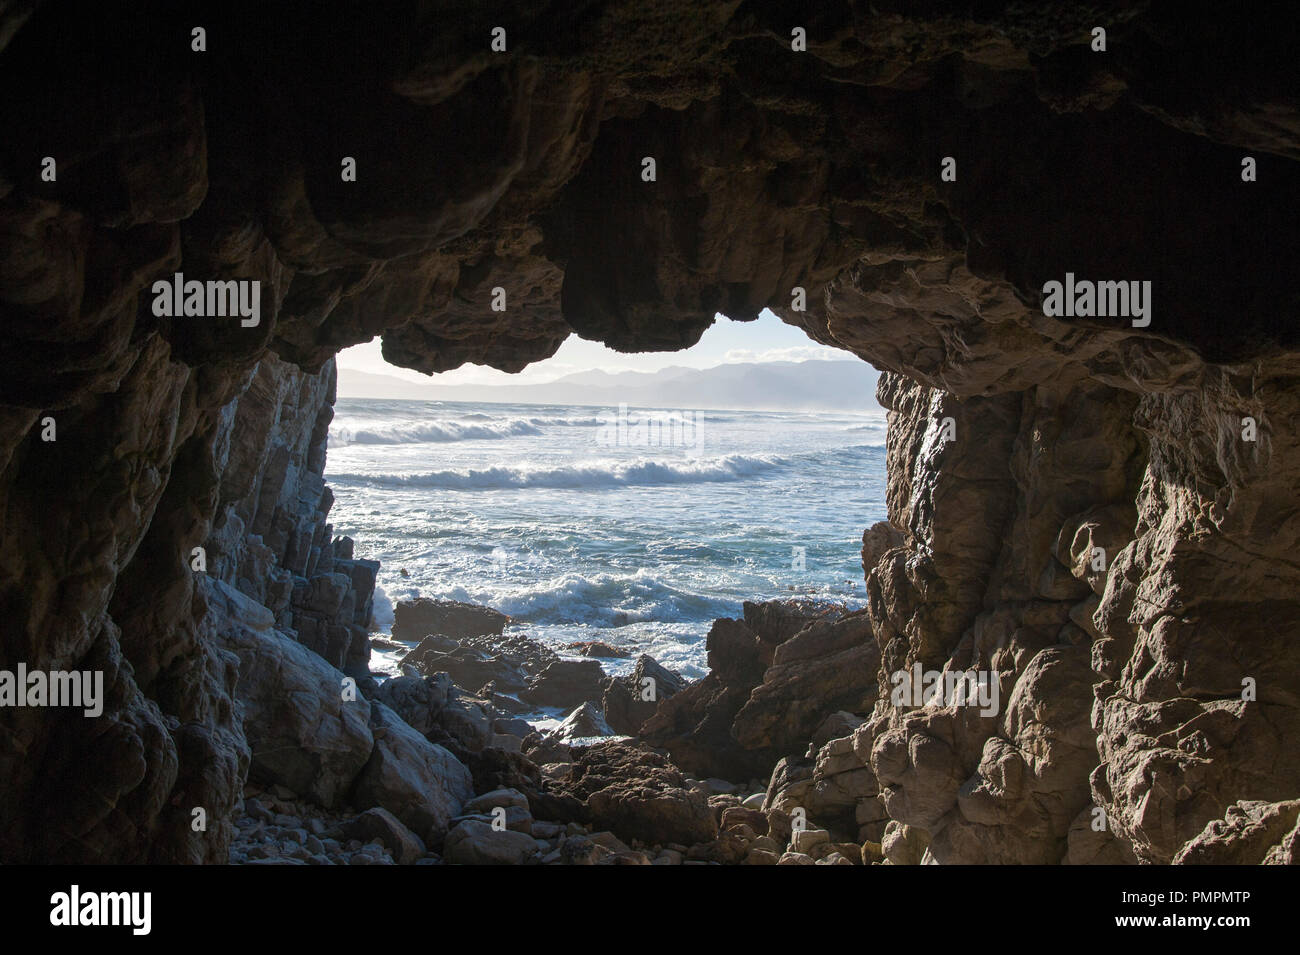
731,467
598,600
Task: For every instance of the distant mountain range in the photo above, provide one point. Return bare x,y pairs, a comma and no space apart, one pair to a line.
833,385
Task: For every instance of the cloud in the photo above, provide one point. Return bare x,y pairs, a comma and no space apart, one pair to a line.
794,353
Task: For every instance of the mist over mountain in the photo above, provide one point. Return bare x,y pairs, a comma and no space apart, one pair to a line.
831,385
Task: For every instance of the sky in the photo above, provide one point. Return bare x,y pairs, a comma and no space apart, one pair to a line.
766,339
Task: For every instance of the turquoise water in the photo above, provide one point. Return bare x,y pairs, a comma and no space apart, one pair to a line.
580,529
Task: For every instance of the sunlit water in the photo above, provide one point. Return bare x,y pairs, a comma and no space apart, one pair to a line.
554,516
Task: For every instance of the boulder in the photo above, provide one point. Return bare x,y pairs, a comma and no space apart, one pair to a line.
566,683
625,702
417,700
503,798
638,794
419,782
698,726
474,842
379,823
470,666
596,648
829,666
583,723
438,709
302,733
413,620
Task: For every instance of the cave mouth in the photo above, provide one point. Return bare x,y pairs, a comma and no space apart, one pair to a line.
628,508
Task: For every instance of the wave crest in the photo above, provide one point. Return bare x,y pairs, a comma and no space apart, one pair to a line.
732,467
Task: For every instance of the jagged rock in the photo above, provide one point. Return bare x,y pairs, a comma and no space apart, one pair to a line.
1250,833
302,732
595,648
512,726
207,433
623,703
417,700
789,786
413,620
877,540
638,794
584,722
696,724
546,749
468,666
827,666
419,782
755,819
841,783
565,683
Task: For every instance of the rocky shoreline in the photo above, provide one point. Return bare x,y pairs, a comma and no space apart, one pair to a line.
1097,516
448,773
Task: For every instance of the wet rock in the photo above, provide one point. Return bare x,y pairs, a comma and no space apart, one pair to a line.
583,723
413,620
595,648
565,683
630,700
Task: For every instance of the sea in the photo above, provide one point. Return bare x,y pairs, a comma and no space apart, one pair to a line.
636,527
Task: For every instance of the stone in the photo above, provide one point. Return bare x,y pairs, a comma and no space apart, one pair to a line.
565,683
497,798
595,648
377,823
583,723
1068,436
803,840
638,794
622,703
419,782
413,620
302,733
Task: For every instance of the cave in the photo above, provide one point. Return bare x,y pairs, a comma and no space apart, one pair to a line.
1097,509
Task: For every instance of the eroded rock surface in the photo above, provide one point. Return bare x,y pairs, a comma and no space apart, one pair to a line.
1155,684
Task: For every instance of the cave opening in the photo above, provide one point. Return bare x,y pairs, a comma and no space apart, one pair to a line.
612,505
1090,509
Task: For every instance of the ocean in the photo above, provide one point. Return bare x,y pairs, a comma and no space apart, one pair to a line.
635,527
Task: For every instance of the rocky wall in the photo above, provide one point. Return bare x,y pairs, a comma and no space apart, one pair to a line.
1153,687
